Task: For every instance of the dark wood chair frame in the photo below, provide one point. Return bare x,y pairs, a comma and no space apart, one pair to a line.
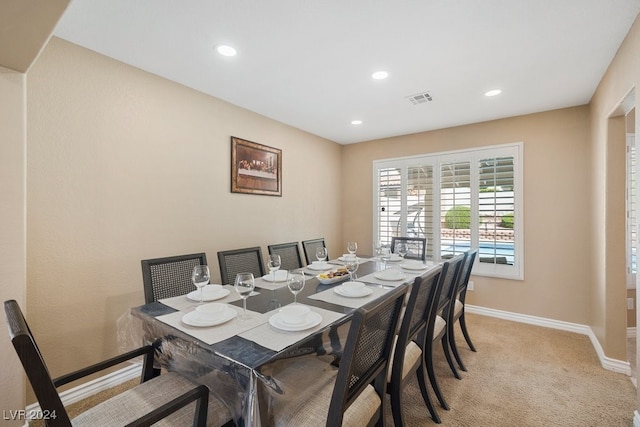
366,355
45,388
448,279
412,241
418,311
228,272
309,247
460,295
289,255
155,290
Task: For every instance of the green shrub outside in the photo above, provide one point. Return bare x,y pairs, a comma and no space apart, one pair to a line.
458,217
507,221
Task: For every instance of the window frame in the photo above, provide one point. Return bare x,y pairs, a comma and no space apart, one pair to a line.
474,155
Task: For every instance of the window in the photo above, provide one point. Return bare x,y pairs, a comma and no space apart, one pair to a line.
456,200
632,232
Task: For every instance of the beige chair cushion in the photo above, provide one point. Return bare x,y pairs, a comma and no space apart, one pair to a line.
438,326
134,403
412,356
458,308
307,384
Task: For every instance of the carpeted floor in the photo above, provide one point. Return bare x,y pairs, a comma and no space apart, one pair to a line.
522,375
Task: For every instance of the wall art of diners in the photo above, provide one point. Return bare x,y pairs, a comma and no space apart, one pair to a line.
255,168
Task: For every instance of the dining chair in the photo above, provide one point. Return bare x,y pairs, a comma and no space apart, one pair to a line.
407,355
437,325
352,394
289,255
245,260
416,247
310,246
456,313
169,276
168,399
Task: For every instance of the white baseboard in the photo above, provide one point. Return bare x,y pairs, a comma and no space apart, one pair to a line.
615,365
92,387
631,332
636,419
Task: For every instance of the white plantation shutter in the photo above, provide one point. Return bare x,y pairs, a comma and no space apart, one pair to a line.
632,226
457,200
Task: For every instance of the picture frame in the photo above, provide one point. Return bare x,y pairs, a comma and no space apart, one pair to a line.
255,168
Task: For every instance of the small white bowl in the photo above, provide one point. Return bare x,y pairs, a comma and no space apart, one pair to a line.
211,290
212,310
295,314
353,287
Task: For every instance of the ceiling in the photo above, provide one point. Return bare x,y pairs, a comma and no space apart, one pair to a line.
309,63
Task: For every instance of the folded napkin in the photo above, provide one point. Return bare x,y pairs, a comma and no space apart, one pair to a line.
276,339
331,297
217,333
185,304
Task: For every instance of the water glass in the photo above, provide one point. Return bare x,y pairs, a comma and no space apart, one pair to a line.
200,277
352,247
273,263
244,285
351,265
321,254
295,282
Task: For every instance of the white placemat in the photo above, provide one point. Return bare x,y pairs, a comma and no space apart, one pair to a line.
214,334
371,278
331,297
276,339
185,304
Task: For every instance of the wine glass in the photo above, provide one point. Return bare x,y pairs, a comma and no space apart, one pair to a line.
351,265
200,277
352,247
401,249
244,285
295,282
321,254
385,255
274,262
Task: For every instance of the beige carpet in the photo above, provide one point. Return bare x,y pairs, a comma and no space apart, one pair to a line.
522,375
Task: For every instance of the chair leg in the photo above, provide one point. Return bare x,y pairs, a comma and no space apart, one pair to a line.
454,349
428,359
463,326
422,381
396,406
447,353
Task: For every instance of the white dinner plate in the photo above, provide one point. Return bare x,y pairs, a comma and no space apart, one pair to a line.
390,275
209,293
395,258
279,276
313,319
319,266
193,318
363,292
414,265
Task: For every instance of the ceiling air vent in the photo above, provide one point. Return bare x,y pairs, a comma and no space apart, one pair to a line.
420,98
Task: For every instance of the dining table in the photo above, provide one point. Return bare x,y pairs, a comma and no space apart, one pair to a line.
240,359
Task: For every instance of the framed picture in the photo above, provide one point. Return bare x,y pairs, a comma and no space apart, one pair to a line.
255,168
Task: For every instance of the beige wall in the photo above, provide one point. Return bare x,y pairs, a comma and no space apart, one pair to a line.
12,228
556,197
607,297
124,165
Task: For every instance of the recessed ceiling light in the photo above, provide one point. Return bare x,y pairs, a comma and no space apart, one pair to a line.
356,122
225,50
493,92
380,75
